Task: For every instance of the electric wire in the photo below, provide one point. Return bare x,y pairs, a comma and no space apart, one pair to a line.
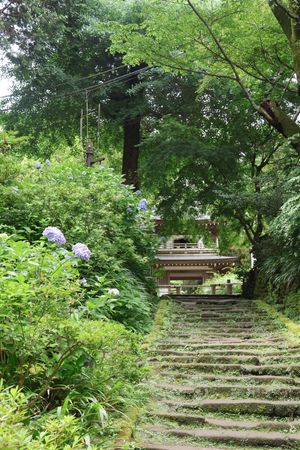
116,80
79,79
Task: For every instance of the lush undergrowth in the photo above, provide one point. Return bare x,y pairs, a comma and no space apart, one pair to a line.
71,314
286,303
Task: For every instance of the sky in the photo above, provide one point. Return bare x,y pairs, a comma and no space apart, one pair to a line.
5,86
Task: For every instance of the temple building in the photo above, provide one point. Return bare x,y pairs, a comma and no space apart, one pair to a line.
194,263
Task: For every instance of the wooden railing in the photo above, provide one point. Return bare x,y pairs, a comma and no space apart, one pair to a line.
182,245
192,288
187,248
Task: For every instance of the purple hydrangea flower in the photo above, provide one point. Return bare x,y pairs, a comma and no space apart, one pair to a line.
81,251
83,281
53,234
48,162
138,192
38,165
143,204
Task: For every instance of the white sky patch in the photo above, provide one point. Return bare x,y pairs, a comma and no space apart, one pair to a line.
5,86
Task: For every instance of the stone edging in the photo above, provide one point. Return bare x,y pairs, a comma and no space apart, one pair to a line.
291,326
126,430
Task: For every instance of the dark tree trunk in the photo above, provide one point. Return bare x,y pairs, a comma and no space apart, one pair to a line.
249,283
132,130
279,120
132,137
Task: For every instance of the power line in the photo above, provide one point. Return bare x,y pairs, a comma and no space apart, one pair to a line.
105,83
91,76
112,81
79,79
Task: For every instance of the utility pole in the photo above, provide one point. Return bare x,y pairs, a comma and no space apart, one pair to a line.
98,126
81,128
89,154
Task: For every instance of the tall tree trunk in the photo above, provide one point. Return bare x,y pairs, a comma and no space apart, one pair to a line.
132,136
288,18
132,130
281,121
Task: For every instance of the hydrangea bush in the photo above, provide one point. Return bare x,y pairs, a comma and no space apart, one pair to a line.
98,215
66,360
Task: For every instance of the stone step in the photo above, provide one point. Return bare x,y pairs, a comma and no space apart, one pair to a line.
274,408
204,325
228,423
211,308
198,314
250,379
214,358
198,343
211,301
209,358
224,330
229,352
231,389
273,438
223,317
228,337
222,376
149,446
206,306
270,369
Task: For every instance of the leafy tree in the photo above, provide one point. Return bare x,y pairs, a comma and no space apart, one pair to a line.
254,44
201,164
60,62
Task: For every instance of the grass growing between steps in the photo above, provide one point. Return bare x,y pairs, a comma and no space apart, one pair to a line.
225,383
127,426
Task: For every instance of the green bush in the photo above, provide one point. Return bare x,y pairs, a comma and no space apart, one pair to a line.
93,206
63,360
54,433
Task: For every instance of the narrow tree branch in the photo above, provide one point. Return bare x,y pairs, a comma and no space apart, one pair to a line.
56,367
223,52
239,66
6,7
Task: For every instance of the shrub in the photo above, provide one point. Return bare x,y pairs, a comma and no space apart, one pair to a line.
93,206
54,351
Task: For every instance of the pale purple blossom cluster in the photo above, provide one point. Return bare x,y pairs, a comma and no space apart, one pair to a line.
53,234
38,165
81,251
143,205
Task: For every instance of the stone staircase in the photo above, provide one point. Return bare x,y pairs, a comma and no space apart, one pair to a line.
225,377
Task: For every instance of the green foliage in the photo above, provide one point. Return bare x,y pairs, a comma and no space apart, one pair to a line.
56,433
63,359
9,140
280,274
90,205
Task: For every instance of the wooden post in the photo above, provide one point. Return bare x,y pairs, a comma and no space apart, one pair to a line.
98,126
87,116
89,154
177,290
81,129
213,289
229,288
